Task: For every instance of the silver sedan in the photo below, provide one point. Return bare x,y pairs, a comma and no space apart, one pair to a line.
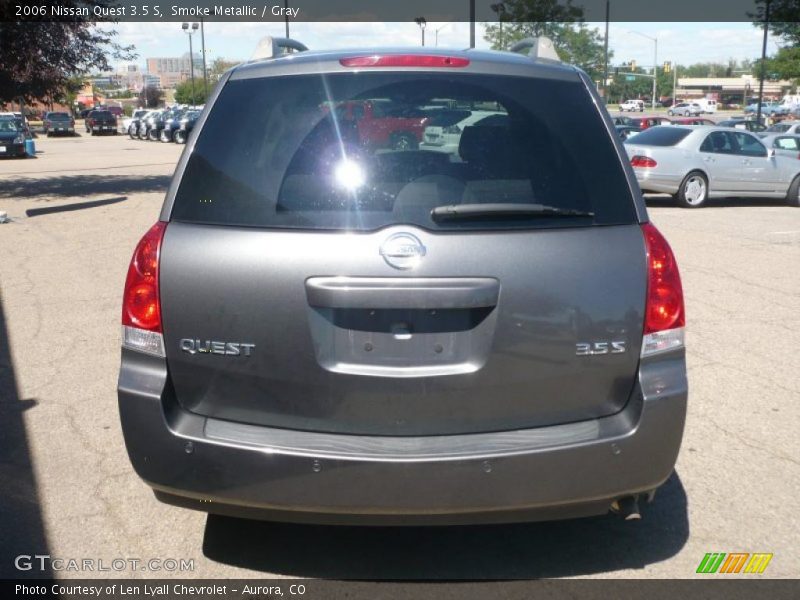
784,144
696,163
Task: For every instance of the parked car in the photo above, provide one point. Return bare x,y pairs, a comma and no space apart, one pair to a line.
137,119
185,126
384,124
172,122
692,121
126,122
12,138
148,122
632,105
317,330
443,133
767,108
784,144
100,121
786,127
627,131
58,122
21,122
697,163
645,122
747,124
685,109
620,120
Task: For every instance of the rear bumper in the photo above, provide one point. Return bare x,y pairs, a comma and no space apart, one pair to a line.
650,181
252,471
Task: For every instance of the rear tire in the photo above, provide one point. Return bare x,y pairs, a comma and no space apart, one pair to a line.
152,135
131,132
180,137
793,196
693,191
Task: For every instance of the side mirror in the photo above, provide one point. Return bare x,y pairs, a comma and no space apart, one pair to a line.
771,153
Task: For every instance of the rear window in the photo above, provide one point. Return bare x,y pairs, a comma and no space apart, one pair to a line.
660,136
101,115
58,116
296,163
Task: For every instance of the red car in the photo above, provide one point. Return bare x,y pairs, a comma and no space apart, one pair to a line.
692,121
645,122
384,124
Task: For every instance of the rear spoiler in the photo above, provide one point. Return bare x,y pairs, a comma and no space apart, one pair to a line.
269,47
539,48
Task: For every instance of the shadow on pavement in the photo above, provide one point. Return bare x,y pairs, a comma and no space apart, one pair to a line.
21,526
82,185
525,551
35,212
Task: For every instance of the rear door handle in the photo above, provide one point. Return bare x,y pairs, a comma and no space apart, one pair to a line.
402,292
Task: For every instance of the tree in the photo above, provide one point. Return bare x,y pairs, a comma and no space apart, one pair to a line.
563,23
218,68
39,57
784,65
784,19
186,93
151,96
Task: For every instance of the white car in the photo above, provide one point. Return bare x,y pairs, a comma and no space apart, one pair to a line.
686,109
126,122
632,105
707,106
445,129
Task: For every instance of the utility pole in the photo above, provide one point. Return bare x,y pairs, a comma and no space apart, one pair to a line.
471,23
655,72
674,83
763,64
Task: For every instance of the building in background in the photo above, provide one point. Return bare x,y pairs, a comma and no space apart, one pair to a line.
173,70
738,91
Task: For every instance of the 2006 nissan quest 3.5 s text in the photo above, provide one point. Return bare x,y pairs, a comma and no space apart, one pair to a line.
334,322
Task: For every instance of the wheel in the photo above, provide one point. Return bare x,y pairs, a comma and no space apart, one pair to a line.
670,113
152,135
91,132
142,134
131,132
693,190
793,196
180,137
404,142
164,137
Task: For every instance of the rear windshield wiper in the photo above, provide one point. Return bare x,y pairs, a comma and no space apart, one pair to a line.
454,212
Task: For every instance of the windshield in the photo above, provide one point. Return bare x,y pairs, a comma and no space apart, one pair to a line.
8,126
297,164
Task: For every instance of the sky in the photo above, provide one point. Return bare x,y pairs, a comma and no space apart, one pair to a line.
683,43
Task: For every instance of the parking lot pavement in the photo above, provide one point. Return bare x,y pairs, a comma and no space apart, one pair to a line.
69,490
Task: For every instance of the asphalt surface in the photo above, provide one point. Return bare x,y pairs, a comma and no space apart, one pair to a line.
69,491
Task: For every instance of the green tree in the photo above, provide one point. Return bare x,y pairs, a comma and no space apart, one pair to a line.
39,57
218,68
186,93
562,22
151,96
784,65
784,19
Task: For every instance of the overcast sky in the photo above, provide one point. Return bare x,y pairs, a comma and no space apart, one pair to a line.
684,43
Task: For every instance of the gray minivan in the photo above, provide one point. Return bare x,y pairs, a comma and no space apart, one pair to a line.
321,330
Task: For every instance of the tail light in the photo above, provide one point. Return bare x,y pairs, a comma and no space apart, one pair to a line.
404,60
141,304
643,161
664,317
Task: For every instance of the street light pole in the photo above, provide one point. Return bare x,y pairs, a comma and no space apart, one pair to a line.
436,32
422,24
605,50
286,15
655,63
190,32
205,71
500,9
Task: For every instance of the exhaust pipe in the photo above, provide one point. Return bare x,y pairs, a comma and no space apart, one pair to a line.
628,508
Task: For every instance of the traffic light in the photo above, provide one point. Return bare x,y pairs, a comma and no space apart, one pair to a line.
633,65
667,66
